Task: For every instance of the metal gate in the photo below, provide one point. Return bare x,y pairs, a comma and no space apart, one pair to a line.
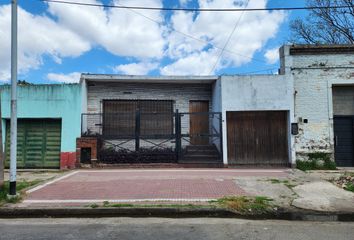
145,137
199,137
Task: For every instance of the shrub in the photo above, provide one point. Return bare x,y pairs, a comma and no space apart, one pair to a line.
144,155
316,161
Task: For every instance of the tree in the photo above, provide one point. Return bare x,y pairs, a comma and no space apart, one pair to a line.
325,25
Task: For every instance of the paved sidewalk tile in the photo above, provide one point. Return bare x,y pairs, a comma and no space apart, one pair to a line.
144,185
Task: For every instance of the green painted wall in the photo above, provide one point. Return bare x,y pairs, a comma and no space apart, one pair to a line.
61,101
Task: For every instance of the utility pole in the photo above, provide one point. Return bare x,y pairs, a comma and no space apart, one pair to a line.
1,153
13,127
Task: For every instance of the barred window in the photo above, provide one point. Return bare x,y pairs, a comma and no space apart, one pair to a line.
119,117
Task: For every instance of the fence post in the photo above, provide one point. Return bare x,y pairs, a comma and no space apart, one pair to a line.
221,140
82,120
137,130
178,134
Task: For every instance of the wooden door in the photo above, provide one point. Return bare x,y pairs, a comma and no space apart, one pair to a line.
257,138
199,122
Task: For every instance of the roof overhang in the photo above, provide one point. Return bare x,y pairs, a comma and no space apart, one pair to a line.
146,79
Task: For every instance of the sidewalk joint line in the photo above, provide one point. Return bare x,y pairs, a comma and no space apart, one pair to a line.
51,182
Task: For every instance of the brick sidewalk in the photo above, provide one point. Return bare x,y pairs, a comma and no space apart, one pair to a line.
89,186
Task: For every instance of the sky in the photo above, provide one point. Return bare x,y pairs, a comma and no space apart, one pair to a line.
58,42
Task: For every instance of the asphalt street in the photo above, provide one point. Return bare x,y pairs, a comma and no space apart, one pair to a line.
164,228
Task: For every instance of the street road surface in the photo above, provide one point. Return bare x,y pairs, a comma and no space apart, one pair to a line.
171,229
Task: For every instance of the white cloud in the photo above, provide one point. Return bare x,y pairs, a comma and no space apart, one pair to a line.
64,78
76,30
141,68
37,36
69,31
272,55
194,64
253,30
184,2
122,32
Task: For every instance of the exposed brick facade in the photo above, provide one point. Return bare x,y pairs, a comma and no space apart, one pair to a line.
87,142
314,76
181,94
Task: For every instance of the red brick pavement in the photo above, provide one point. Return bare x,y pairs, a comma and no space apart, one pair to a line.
139,185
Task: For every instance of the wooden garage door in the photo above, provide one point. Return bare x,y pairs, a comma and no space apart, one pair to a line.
257,138
38,143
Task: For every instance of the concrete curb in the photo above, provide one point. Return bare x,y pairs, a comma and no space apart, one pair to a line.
82,212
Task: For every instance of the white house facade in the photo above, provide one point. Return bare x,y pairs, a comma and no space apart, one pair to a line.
266,120
208,121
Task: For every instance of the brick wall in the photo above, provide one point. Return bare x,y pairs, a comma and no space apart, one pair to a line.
86,142
181,94
67,160
314,76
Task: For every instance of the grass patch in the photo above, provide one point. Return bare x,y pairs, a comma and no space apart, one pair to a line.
349,187
346,181
316,161
285,182
20,186
94,205
243,204
127,205
290,186
277,181
274,181
107,204
119,205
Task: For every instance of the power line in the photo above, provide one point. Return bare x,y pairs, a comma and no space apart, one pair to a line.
196,9
172,28
195,38
229,38
257,71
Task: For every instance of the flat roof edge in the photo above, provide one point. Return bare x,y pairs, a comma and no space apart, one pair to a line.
304,49
143,78
40,84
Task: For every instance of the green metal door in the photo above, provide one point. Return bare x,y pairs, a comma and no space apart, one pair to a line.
38,143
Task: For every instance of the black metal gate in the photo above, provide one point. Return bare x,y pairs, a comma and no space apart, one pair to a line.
157,137
199,137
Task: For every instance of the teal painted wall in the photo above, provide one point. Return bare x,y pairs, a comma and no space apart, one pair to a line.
62,101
